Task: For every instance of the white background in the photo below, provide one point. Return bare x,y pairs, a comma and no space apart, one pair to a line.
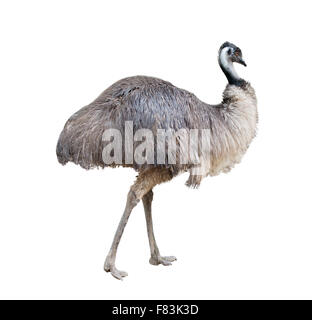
246,234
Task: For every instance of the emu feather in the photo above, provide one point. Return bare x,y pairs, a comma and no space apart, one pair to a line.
153,104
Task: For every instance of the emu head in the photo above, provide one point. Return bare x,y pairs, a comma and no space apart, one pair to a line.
229,52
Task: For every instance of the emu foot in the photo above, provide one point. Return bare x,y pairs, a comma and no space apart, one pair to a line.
166,261
110,267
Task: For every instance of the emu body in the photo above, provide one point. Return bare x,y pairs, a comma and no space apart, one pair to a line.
151,103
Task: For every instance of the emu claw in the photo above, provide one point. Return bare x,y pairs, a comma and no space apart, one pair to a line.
165,261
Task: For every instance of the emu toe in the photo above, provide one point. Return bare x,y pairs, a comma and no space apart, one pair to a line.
117,273
110,267
166,261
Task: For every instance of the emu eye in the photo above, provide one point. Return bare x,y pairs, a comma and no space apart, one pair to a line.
230,51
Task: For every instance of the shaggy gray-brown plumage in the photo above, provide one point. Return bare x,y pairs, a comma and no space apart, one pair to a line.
151,103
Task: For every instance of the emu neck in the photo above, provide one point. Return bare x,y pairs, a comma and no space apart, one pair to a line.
227,67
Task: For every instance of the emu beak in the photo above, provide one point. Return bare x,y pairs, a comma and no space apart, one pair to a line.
241,61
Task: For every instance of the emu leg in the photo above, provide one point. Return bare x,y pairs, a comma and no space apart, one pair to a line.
156,258
146,180
109,265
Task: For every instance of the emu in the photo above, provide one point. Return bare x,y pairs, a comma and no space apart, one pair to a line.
153,104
